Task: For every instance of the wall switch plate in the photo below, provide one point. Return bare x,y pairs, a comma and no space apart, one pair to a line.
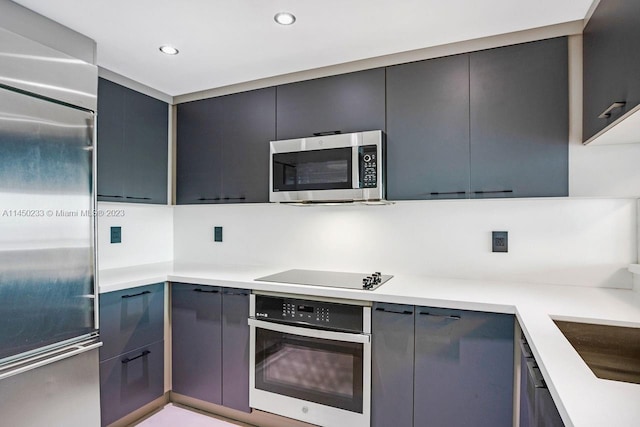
116,234
217,234
500,241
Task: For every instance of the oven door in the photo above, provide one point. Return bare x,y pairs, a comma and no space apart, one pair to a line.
317,376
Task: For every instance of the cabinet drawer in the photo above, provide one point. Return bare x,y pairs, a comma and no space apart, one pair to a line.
130,319
130,381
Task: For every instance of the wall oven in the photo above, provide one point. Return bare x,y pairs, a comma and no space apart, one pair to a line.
311,359
331,168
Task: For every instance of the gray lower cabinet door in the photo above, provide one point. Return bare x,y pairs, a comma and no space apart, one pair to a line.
196,325
130,381
611,63
350,102
428,129
235,349
463,368
131,318
392,353
519,120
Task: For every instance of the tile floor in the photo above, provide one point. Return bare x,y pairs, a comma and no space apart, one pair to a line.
172,416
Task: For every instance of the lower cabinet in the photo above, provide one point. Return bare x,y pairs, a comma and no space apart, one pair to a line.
132,355
130,381
440,367
210,344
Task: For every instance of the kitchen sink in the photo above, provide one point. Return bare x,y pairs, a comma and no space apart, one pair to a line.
611,352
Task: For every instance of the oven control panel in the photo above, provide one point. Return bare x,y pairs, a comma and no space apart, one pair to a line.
322,314
368,161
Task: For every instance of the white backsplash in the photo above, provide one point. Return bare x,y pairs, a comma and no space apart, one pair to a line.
585,242
147,234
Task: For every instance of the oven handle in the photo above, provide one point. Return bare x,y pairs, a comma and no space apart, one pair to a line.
310,332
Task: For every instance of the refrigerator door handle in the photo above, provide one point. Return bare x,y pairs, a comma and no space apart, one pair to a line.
48,358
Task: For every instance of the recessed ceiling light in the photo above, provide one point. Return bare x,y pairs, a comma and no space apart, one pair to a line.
169,50
284,18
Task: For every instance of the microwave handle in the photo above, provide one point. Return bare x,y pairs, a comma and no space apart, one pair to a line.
310,332
355,167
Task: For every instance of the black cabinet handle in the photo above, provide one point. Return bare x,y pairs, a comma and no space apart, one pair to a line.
442,316
136,295
493,191
107,195
234,198
386,310
235,293
607,113
202,199
437,193
138,198
144,353
327,133
213,291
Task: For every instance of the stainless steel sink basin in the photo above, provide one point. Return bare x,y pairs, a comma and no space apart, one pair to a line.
611,352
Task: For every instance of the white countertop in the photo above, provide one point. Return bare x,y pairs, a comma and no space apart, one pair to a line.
582,399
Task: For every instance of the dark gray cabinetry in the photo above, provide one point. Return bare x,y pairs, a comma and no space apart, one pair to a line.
131,318
611,63
392,365
210,345
492,124
132,145
428,129
132,355
463,368
196,330
519,120
348,103
223,148
130,381
235,349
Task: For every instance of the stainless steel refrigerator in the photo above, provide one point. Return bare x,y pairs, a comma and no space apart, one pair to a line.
48,303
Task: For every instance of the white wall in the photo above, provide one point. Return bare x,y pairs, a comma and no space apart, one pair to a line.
587,242
147,234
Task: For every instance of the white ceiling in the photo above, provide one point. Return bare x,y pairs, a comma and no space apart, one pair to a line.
223,42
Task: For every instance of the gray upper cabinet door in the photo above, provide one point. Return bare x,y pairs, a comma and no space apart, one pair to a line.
132,145
392,352
519,120
196,325
223,148
428,129
146,127
199,151
611,63
235,349
249,125
463,368
110,145
347,103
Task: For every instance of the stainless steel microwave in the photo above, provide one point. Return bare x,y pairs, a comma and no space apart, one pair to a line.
333,168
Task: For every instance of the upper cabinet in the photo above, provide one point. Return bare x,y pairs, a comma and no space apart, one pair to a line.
611,86
488,124
428,129
519,120
223,148
132,145
346,103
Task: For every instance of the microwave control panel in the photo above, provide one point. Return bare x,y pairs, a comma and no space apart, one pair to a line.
368,166
316,313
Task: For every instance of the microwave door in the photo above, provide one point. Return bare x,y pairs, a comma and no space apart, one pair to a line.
326,169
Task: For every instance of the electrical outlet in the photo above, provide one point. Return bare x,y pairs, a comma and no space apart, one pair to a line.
116,234
217,234
500,241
